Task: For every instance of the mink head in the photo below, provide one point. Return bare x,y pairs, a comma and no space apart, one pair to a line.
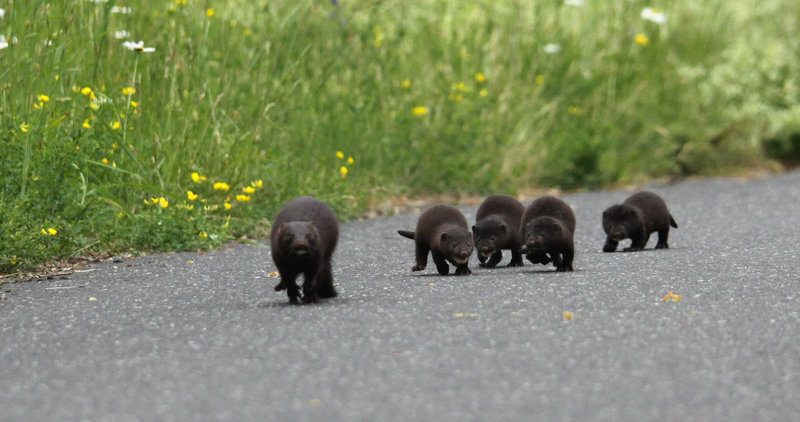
619,221
456,245
487,235
298,238
542,232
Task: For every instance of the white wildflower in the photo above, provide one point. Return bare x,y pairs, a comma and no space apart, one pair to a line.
552,48
121,9
99,1
121,34
4,41
654,15
2,12
138,46
573,2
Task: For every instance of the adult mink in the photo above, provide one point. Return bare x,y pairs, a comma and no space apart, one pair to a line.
547,230
303,239
443,231
636,218
497,228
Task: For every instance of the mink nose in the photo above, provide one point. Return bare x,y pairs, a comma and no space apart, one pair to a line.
485,249
463,254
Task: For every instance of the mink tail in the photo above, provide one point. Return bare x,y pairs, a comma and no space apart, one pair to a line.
406,233
672,222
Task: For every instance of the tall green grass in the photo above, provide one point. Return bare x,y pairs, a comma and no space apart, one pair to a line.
262,96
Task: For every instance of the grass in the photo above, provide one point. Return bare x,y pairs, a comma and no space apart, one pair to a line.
99,142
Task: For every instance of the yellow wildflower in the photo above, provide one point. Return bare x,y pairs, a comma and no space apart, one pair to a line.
221,186
94,105
191,195
242,198
227,205
163,202
86,124
204,235
151,201
76,89
378,36
49,231
86,91
483,93
642,40
209,12
339,155
24,127
406,83
114,146
258,184
128,90
343,171
350,160
115,125
196,177
574,110
43,98
134,104
105,161
38,105
419,111
480,77
539,79
249,190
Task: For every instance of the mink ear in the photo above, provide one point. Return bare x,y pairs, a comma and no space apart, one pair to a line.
474,228
503,228
280,228
556,226
444,237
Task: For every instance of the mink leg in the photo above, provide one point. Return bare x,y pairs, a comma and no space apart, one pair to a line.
325,287
422,257
441,263
663,236
496,257
516,258
611,245
310,282
463,269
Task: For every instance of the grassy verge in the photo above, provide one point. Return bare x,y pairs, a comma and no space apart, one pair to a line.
243,105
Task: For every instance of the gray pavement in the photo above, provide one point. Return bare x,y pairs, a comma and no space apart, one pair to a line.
189,337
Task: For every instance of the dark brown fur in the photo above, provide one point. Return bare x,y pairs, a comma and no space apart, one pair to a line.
442,230
547,229
497,228
303,239
640,215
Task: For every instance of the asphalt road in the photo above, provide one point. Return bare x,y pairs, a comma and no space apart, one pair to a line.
190,337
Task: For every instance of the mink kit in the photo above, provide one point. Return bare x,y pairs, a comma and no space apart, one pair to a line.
442,230
636,218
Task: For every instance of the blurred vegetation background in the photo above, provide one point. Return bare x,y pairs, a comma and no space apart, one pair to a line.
227,109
